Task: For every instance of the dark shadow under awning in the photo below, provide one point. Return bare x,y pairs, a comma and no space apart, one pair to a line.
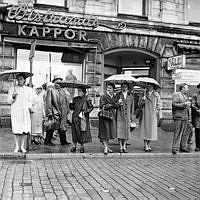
189,46
47,45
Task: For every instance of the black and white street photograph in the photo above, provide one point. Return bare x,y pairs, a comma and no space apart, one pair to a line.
99,100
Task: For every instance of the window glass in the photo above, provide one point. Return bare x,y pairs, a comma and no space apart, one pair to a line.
46,63
193,11
52,2
130,7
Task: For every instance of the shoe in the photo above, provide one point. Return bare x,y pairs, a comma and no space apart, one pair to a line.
128,144
35,142
66,143
15,151
174,151
82,150
121,151
23,150
105,151
149,149
110,150
146,149
197,149
184,150
73,149
49,144
125,151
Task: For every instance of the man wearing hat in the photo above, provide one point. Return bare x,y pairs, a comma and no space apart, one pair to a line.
196,117
57,107
181,113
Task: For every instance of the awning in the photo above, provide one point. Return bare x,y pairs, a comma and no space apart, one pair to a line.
51,43
189,46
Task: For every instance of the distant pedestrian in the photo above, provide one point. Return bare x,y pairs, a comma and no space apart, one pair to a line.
180,113
81,106
125,114
57,108
71,78
150,105
196,117
37,115
21,99
107,126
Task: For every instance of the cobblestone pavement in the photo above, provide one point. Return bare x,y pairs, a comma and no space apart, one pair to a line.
101,178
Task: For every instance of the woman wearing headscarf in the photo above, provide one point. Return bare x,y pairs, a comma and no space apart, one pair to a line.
125,115
196,117
21,99
81,106
150,105
107,126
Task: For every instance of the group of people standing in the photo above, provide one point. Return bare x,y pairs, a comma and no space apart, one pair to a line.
186,115
116,114
30,108
121,106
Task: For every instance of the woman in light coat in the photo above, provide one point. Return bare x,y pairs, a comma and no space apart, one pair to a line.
37,115
150,105
20,98
125,115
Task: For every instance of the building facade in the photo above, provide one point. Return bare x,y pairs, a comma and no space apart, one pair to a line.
98,38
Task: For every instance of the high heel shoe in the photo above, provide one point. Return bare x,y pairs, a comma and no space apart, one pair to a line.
73,149
110,150
105,151
23,150
82,150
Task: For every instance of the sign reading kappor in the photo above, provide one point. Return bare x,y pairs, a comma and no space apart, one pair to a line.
176,62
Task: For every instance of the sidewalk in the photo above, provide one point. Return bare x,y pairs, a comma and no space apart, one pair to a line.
162,145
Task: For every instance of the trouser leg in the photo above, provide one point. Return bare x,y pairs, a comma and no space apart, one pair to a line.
179,128
185,135
197,137
62,137
49,135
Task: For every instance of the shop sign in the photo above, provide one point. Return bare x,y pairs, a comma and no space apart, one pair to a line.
27,14
176,62
36,31
190,77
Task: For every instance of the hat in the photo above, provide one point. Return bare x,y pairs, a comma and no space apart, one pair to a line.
56,77
198,86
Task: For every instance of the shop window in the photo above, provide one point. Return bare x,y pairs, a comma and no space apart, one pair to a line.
132,7
193,11
61,3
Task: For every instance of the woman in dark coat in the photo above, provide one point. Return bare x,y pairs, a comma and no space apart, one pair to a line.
107,127
196,117
81,103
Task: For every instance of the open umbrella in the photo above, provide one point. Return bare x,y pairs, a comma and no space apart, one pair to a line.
148,80
11,74
73,84
119,78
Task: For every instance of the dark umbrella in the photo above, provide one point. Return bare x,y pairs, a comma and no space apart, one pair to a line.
73,84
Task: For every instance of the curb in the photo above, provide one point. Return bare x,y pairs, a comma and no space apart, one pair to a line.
95,155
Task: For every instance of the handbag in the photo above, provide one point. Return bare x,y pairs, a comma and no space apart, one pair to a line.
83,121
138,113
105,114
50,124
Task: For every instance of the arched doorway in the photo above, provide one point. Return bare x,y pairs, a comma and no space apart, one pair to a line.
139,63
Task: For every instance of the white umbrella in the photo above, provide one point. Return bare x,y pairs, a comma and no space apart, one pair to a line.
11,74
148,80
119,78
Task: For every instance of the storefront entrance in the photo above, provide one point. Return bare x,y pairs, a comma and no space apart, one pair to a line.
131,61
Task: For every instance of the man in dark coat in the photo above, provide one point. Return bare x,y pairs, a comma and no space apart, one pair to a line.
180,113
196,117
57,107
